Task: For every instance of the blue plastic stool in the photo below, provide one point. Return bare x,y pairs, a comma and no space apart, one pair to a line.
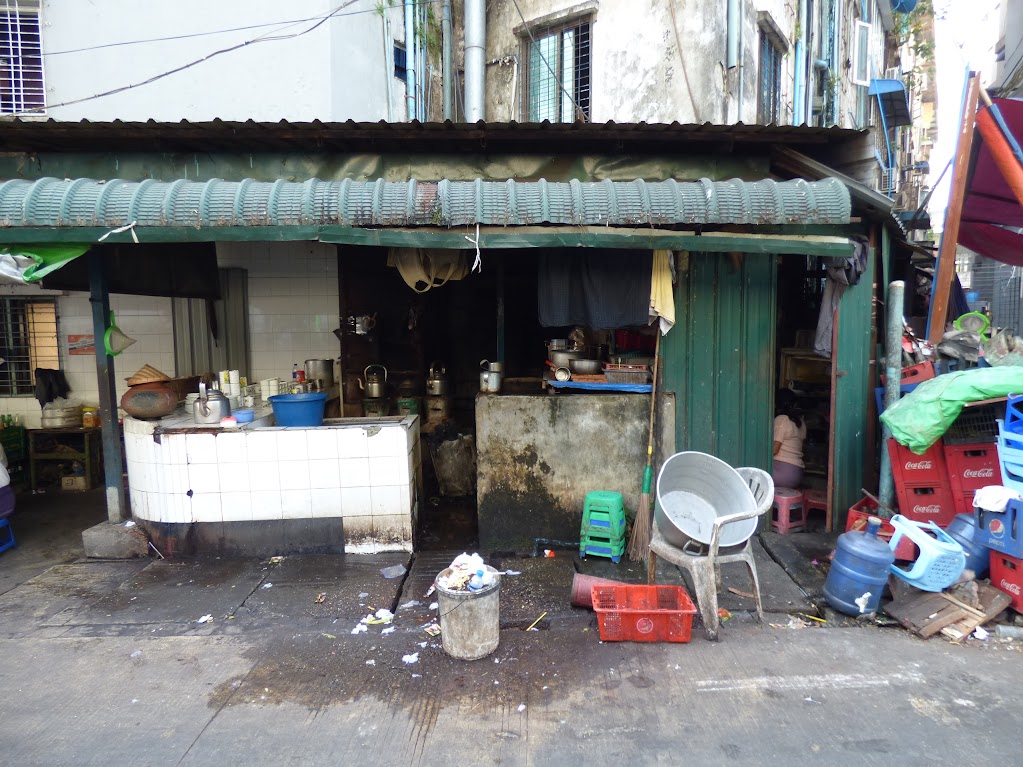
1014,414
10,543
941,559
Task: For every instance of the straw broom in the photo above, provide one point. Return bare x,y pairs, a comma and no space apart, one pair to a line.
639,543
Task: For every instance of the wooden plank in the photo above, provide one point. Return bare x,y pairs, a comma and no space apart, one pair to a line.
944,618
941,291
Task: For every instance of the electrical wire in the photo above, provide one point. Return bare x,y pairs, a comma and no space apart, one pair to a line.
578,110
261,39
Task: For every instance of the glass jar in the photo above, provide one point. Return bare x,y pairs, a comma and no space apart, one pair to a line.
90,417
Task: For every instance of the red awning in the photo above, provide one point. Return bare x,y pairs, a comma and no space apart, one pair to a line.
990,205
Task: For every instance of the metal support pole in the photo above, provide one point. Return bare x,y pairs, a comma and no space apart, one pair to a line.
113,468
893,380
446,58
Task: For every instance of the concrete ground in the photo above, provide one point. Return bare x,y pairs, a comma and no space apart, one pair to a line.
104,663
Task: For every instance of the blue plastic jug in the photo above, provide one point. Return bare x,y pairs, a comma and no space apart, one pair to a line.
963,528
859,571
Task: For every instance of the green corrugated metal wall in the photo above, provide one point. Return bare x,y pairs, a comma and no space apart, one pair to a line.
719,358
852,387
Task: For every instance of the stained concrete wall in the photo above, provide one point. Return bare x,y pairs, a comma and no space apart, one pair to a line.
538,456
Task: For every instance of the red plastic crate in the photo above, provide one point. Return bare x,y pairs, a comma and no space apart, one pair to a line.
1007,576
627,613
971,467
914,374
927,503
857,522
908,468
963,502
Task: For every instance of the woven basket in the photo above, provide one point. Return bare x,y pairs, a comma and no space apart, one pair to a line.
148,374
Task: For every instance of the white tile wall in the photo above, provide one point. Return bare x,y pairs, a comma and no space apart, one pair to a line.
293,311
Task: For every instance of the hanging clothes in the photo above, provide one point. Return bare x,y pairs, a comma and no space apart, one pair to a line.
50,385
662,292
424,270
843,272
602,289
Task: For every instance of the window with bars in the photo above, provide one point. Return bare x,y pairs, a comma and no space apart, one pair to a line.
21,59
28,340
557,74
769,94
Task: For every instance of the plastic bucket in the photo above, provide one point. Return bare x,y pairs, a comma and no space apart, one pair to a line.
470,621
582,588
299,409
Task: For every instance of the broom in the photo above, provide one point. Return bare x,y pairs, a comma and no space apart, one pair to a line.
639,543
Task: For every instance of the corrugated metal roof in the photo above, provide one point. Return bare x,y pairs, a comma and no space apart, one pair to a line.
34,135
87,203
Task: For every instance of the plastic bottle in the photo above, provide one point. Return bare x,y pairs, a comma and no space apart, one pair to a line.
476,581
294,372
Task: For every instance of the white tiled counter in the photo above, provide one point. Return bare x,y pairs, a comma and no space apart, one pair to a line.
352,485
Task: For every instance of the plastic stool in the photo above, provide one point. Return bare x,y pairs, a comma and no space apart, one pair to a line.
941,560
788,512
818,499
10,542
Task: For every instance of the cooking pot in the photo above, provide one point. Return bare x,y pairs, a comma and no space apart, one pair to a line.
437,382
584,367
322,370
375,384
561,357
490,376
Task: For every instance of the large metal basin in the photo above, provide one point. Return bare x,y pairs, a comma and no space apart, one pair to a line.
694,489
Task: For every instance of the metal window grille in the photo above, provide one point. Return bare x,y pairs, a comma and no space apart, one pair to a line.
558,74
769,96
28,340
21,60
996,285
400,65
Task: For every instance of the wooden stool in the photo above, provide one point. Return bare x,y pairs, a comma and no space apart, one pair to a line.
818,499
788,512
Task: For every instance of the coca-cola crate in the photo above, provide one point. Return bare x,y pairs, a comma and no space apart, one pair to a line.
971,467
857,522
915,374
1007,576
927,502
963,502
908,468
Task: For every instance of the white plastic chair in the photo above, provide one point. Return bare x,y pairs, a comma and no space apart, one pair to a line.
703,563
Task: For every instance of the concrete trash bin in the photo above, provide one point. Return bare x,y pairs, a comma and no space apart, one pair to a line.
470,621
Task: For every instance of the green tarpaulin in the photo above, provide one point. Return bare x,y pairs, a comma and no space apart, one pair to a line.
30,263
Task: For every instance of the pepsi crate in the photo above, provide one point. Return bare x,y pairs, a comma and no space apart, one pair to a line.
927,503
1000,530
908,468
1007,576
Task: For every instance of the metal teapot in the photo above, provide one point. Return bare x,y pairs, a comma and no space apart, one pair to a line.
375,384
211,406
437,382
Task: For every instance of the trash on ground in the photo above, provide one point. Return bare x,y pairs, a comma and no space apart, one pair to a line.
383,615
408,660
532,626
129,523
740,593
981,633
410,604
467,572
433,629
392,572
276,560
360,629
320,597
433,605
723,614
511,572
137,654
330,636
388,630
205,619
549,553
363,594
430,590
267,586
925,613
371,663
522,707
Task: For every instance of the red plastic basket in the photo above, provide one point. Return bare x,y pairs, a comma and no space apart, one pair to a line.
909,468
923,371
627,613
927,502
1007,576
971,467
857,522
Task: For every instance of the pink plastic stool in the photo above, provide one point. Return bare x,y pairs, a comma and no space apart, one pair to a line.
818,499
788,513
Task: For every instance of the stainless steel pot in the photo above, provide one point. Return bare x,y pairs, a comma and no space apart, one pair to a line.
375,384
322,370
437,382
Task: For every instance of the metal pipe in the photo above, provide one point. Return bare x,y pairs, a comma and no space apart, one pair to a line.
799,112
424,76
410,59
475,59
893,380
742,54
388,66
732,46
445,24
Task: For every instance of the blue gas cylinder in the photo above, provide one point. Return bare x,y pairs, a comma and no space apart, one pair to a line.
859,571
963,528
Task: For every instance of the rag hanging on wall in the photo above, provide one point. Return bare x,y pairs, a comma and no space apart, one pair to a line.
424,270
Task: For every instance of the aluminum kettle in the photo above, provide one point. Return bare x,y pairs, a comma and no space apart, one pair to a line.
437,382
211,406
375,384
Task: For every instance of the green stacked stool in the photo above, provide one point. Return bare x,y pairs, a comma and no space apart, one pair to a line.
603,527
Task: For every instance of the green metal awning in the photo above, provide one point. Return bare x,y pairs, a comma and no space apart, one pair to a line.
423,213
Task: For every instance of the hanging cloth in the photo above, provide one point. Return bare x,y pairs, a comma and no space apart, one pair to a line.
842,273
602,289
662,294
424,270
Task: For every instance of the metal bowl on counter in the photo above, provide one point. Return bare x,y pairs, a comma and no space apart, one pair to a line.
585,367
561,358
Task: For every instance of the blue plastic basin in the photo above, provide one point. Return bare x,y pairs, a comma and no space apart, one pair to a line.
299,409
